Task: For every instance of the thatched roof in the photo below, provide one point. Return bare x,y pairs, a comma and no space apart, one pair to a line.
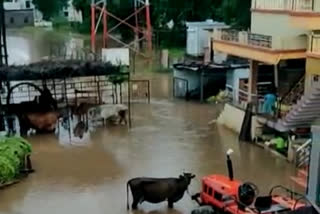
58,70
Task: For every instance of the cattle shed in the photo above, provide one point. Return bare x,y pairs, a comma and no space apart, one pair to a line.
71,82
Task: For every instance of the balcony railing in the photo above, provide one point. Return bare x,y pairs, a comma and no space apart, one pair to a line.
315,44
261,41
243,37
287,5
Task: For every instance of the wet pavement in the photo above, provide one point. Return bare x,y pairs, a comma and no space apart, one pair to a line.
168,137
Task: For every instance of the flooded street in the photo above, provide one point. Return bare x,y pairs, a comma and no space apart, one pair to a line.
168,137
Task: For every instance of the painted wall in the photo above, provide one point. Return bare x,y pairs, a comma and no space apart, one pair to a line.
232,118
193,78
72,14
313,66
274,25
18,5
233,78
313,69
19,18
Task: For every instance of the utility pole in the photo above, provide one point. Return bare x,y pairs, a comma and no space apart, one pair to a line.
3,57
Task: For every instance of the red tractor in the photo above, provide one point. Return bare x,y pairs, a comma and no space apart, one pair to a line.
228,195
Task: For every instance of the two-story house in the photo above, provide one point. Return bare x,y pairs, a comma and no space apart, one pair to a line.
284,35
23,13
19,13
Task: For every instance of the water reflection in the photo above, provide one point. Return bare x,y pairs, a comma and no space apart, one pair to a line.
73,131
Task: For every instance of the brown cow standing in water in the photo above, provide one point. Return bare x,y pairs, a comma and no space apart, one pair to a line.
156,190
45,122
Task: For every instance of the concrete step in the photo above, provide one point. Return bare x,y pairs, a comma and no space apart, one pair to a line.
304,113
297,122
297,118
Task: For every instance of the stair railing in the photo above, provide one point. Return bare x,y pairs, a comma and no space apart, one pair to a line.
287,95
303,154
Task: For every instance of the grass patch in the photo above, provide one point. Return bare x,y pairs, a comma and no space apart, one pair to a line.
176,52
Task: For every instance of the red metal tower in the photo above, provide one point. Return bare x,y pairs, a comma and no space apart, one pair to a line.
143,32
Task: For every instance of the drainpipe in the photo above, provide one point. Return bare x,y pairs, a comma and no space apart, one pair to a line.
201,87
276,76
313,192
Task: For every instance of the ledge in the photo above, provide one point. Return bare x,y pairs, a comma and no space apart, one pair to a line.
267,55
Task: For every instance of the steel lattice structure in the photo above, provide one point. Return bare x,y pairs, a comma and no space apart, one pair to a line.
141,8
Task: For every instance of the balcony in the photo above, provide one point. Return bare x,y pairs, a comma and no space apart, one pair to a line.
287,5
303,13
258,47
314,45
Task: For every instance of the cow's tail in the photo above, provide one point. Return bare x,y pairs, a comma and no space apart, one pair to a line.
128,183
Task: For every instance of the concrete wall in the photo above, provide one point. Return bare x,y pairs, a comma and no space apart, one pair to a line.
232,118
19,18
274,25
313,69
233,78
193,78
72,14
18,5
317,6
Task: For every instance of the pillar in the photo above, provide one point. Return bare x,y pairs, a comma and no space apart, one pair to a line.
149,30
314,167
253,78
165,58
276,76
105,27
93,27
201,87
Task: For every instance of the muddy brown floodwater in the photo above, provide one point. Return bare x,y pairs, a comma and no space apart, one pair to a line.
168,137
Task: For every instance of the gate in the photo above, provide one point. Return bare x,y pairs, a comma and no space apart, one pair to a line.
180,88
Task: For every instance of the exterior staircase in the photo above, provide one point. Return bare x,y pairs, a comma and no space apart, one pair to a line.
302,160
295,93
301,115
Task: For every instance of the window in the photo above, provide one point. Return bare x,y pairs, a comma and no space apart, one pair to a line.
26,20
66,13
218,196
28,4
11,20
205,188
210,191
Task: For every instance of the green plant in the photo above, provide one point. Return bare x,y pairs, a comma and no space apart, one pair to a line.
12,154
121,77
59,22
50,8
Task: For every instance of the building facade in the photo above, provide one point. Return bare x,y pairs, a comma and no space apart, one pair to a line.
285,34
21,13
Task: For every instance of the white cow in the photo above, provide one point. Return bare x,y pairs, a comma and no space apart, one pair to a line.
109,112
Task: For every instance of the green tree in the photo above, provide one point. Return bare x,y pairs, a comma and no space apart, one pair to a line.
83,6
50,8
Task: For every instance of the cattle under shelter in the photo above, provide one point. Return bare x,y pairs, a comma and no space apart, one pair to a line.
50,86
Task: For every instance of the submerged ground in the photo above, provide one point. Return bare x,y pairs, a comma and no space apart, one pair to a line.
168,137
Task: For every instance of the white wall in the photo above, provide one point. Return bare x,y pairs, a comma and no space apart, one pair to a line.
232,118
192,77
242,73
73,14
